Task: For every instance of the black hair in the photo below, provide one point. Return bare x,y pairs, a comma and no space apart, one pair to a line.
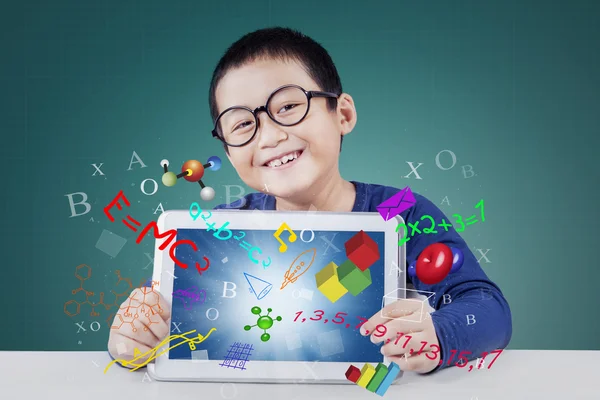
281,44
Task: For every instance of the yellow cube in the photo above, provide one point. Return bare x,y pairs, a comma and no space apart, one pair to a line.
329,284
366,373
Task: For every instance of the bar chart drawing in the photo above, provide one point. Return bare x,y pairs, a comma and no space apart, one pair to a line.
374,379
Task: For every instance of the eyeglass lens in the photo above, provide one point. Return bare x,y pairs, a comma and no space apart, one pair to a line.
287,106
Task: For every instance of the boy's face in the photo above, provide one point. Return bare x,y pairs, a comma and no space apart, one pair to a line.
315,140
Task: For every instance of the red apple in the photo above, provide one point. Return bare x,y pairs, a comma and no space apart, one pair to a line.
434,263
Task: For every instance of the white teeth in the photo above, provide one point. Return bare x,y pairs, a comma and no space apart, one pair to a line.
284,160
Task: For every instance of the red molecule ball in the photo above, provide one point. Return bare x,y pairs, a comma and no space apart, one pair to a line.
434,263
197,170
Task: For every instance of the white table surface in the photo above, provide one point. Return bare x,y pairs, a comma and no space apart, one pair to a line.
516,374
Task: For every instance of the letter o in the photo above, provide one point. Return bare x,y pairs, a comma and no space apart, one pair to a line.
311,238
437,160
155,186
235,388
212,319
92,324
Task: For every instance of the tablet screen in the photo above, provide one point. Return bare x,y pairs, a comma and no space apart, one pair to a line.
311,327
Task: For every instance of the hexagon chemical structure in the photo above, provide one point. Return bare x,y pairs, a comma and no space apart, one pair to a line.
84,276
144,302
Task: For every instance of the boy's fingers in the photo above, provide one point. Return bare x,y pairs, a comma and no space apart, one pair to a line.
153,299
127,346
165,308
134,327
396,333
419,363
399,309
405,344
140,336
159,328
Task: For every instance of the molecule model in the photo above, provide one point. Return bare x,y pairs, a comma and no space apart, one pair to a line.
192,171
83,272
264,322
435,262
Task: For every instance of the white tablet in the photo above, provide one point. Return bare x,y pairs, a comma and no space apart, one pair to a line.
271,322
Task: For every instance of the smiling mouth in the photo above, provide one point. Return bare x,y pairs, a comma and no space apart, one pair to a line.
287,159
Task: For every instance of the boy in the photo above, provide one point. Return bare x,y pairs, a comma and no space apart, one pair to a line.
279,110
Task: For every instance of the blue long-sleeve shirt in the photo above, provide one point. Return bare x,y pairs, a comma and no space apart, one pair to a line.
471,314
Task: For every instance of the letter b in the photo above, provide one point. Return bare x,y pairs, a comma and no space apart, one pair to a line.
470,319
228,194
447,297
469,170
225,290
217,234
87,205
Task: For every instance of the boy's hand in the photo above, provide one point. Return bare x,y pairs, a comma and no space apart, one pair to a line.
416,334
125,339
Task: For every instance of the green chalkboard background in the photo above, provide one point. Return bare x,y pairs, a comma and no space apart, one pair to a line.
511,87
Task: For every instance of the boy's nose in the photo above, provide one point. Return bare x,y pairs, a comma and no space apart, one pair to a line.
269,132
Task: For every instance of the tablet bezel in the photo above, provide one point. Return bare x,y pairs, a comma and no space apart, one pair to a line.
272,371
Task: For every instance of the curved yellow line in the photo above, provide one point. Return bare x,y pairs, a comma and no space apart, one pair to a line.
154,350
186,340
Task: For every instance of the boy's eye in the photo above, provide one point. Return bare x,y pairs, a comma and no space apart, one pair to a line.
287,107
242,126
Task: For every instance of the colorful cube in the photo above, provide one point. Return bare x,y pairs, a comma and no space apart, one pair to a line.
353,374
380,373
393,371
362,250
366,373
352,278
329,284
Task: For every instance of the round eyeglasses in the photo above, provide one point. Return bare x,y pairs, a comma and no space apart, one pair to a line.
286,106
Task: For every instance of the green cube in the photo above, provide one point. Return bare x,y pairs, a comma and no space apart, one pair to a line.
352,278
380,373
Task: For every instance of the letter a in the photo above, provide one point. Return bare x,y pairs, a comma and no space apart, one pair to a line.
146,376
160,206
139,161
445,199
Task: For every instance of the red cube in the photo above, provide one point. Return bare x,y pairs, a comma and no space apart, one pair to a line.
353,374
362,250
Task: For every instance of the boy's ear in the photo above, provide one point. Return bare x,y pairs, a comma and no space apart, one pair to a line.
347,113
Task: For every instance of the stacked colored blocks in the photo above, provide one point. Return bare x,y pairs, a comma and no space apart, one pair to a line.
352,278
366,373
352,275
329,284
362,250
353,374
377,380
380,373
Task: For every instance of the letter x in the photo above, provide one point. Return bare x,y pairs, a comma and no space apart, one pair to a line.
414,170
329,243
97,169
176,326
309,369
151,260
487,260
80,326
414,228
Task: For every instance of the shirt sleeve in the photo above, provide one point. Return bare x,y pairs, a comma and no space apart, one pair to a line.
471,313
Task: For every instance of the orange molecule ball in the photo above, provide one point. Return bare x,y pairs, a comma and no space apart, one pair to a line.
197,170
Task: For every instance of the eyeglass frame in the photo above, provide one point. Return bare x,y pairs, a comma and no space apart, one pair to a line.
309,95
